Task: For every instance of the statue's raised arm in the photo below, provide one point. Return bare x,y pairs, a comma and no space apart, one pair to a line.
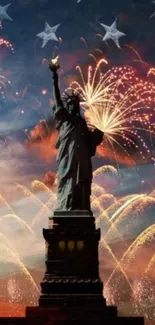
56,91
59,112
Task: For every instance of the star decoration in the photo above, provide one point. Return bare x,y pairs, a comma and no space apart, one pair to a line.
3,13
112,33
48,34
153,15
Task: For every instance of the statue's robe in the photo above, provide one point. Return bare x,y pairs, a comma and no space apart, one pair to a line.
76,145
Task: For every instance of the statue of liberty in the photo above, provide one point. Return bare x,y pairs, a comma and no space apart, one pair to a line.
76,145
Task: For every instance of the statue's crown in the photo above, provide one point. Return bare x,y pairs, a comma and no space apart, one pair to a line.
72,97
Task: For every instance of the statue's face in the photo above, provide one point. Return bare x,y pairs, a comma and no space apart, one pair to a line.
73,106
70,108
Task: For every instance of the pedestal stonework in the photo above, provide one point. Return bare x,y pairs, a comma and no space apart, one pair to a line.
72,270
71,290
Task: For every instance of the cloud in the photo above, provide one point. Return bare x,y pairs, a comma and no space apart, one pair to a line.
116,157
18,165
42,141
9,126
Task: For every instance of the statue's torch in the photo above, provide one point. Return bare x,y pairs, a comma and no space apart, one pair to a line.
54,65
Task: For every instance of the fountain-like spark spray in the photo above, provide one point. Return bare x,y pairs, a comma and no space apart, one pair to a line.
150,265
97,190
103,198
51,201
42,186
7,254
28,193
146,236
7,242
20,221
109,223
136,204
106,168
126,204
6,203
104,244
119,203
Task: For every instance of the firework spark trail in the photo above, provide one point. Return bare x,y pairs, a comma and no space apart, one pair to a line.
39,214
151,72
119,104
116,119
134,50
6,203
143,238
8,243
104,169
97,190
92,91
84,42
7,44
17,261
103,214
126,204
146,236
3,82
115,218
116,214
140,203
115,206
33,196
103,242
97,204
105,196
42,186
20,221
150,265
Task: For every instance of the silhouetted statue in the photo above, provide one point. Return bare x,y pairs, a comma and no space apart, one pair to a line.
76,145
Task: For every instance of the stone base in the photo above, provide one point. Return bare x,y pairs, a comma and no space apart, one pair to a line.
72,273
74,315
82,316
45,316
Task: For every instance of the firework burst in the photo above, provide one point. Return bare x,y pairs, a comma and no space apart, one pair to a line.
7,44
94,91
120,104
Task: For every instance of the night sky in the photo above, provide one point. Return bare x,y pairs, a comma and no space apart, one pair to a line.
25,100
24,67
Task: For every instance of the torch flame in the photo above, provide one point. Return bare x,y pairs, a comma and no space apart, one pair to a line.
55,60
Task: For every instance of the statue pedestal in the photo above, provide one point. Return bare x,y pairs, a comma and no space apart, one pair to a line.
72,273
71,290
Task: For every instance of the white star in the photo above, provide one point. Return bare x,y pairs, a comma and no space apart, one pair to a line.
48,34
153,12
3,12
112,33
